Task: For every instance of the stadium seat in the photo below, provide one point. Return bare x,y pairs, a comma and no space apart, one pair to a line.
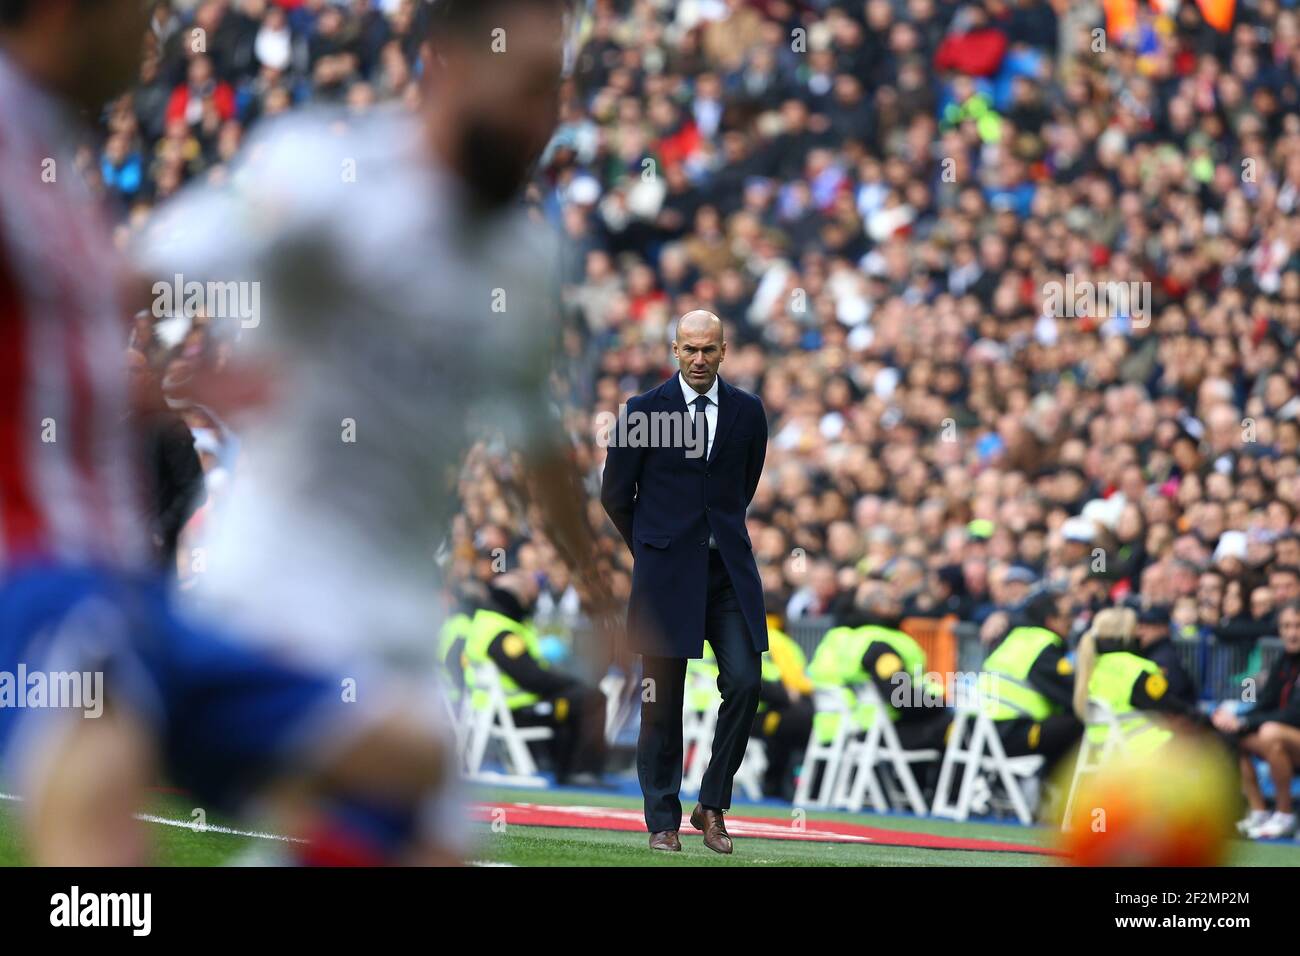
975,752
851,774
1091,753
617,709
458,711
750,775
697,729
495,722
880,748
828,698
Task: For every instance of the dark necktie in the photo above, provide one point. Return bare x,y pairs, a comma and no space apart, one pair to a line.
702,422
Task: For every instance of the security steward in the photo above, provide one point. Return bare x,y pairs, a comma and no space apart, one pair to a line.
536,694
1132,688
452,638
785,709
1156,643
877,652
1027,683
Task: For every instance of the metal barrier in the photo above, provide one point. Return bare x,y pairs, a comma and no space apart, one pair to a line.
1218,669
808,633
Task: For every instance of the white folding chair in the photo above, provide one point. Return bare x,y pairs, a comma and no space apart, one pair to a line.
697,731
456,711
881,747
827,698
617,711
1092,754
978,757
750,775
494,722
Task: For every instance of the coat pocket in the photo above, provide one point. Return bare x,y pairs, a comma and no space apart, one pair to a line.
660,541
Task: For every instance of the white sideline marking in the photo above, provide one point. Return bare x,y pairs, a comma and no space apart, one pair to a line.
230,831
214,828
191,825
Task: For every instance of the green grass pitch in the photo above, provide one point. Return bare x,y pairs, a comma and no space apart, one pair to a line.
562,846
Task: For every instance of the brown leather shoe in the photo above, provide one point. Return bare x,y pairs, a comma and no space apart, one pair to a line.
665,840
716,837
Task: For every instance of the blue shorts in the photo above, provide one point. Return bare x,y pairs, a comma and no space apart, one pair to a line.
226,716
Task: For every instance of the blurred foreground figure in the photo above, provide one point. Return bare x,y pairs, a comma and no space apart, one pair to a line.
103,683
407,304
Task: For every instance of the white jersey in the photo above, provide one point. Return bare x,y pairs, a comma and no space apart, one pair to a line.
395,319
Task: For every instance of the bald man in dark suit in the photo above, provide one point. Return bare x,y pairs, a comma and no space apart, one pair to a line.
681,509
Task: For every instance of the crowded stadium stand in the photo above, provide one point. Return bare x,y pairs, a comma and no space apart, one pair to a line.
1018,283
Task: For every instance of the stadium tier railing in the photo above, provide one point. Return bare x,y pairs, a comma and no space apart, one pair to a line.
1219,669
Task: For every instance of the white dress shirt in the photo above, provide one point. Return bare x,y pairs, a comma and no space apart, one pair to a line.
710,415
710,410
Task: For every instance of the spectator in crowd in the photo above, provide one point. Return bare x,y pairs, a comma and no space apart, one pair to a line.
201,90
1270,731
917,231
1156,644
170,462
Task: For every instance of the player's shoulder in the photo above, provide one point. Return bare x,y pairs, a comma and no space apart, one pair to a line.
525,240
329,140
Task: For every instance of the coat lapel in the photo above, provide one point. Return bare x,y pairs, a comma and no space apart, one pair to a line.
671,392
728,407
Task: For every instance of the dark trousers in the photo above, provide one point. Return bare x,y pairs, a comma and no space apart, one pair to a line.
1052,740
1055,737
659,748
784,729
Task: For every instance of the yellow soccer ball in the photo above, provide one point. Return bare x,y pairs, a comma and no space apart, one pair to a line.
1173,807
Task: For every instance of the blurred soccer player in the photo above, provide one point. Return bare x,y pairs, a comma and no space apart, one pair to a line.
78,596
406,298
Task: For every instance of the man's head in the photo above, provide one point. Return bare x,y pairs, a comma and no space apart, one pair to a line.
1288,626
492,72
1049,608
1152,624
519,585
1284,581
1288,549
86,51
699,348
877,604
